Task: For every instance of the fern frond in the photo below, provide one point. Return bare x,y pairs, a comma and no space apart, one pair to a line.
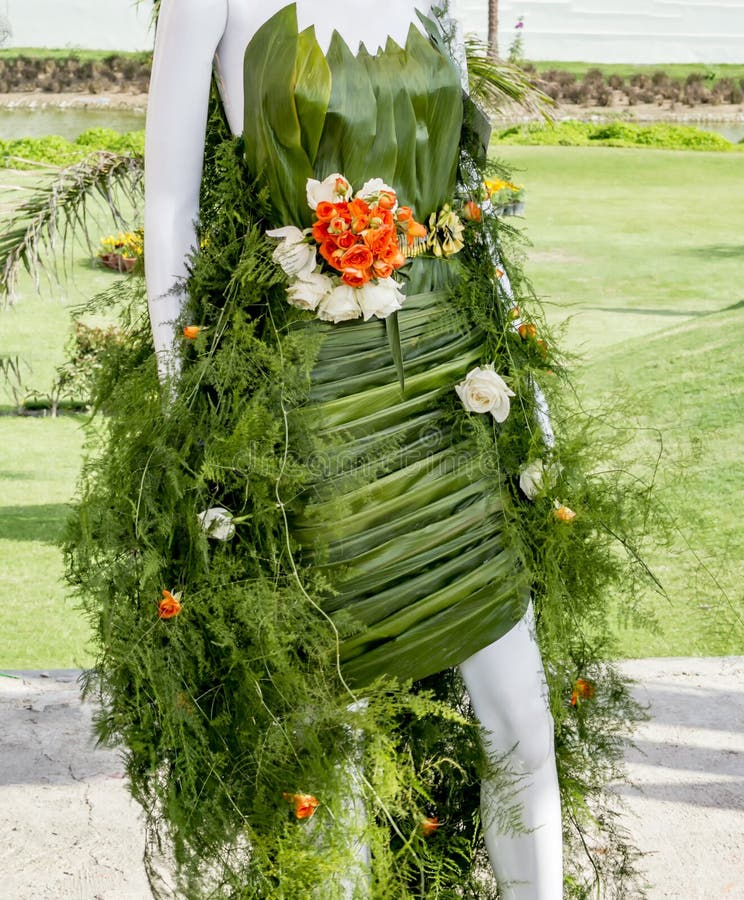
60,209
495,83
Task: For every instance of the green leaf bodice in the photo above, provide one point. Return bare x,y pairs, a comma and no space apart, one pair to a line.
394,115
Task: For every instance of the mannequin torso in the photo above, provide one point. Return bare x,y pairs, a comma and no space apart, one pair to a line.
357,21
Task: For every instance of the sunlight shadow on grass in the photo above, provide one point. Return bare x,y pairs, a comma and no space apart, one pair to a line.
718,251
44,523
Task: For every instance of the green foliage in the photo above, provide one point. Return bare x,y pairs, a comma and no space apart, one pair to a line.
28,153
86,355
615,134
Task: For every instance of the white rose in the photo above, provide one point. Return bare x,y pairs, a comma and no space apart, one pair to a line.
217,523
371,190
380,298
531,478
293,253
330,190
484,391
341,304
309,291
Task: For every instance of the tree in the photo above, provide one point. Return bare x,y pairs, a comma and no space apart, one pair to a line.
493,28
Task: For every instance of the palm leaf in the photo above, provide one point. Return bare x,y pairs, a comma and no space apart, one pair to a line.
60,209
495,83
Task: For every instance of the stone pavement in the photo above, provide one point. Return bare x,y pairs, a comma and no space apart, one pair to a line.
70,829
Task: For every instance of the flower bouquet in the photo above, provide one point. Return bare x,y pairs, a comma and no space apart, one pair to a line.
362,239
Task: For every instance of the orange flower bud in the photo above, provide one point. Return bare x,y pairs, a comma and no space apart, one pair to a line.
514,311
415,230
563,513
543,348
527,330
499,273
429,825
304,804
169,606
582,690
191,332
387,200
472,211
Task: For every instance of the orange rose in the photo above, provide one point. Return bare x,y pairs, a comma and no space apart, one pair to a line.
582,690
169,606
382,269
304,804
387,200
358,208
191,332
392,255
360,257
359,223
355,277
345,240
378,238
472,211
404,213
338,225
331,253
527,330
320,232
326,211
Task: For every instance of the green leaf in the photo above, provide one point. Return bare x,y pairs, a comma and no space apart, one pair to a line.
393,336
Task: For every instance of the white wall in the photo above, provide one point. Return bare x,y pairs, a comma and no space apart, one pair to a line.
81,24
592,30
640,31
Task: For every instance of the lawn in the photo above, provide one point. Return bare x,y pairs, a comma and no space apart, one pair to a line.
638,253
39,463
626,70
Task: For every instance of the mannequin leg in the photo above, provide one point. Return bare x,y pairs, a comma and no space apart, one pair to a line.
506,683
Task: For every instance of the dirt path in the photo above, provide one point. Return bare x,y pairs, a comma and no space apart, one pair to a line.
42,100
72,833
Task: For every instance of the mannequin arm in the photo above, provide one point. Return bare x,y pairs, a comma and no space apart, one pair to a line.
187,36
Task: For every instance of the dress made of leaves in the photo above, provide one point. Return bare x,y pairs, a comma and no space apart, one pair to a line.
278,550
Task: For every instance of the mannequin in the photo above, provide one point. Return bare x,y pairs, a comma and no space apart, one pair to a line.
505,680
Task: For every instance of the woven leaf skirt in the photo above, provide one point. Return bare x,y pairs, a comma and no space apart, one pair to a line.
402,517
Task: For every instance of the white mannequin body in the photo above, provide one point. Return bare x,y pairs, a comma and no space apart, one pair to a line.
505,680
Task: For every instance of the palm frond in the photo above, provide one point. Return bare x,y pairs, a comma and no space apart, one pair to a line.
61,209
495,83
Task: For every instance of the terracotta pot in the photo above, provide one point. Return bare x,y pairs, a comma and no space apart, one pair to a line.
118,262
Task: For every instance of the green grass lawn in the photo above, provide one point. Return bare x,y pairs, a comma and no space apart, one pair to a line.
637,253
40,626
625,70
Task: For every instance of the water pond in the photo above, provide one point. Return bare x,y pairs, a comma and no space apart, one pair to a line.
67,123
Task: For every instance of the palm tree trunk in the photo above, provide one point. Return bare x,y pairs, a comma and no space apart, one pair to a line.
493,28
